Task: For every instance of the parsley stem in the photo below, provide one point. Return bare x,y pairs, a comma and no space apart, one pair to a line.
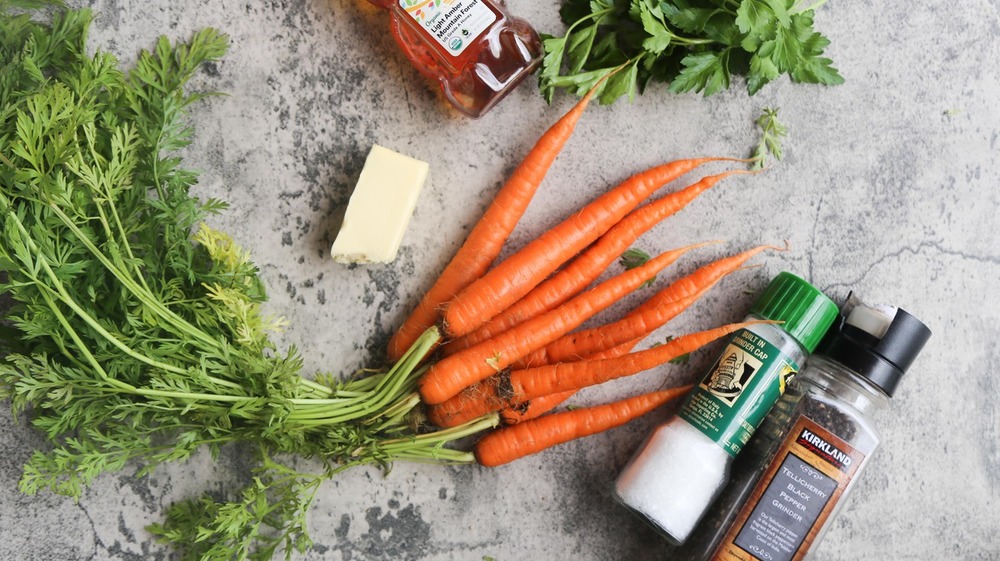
688,41
596,16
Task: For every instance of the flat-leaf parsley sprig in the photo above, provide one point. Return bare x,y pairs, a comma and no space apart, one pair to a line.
692,45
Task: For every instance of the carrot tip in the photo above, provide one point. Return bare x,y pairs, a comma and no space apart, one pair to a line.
774,247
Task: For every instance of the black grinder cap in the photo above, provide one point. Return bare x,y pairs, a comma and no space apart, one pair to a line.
882,358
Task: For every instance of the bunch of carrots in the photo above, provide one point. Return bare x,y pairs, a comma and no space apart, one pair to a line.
505,334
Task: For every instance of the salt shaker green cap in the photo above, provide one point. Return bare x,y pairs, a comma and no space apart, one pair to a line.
805,312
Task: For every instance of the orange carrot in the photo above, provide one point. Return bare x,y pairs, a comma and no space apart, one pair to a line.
590,264
450,375
528,308
563,376
474,401
486,239
573,346
541,405
544,298
519,386
507,444
480,399
515,276
651,315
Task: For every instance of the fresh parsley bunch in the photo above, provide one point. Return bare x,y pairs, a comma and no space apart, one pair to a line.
692,45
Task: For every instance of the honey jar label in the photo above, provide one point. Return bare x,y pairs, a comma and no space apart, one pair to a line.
453,24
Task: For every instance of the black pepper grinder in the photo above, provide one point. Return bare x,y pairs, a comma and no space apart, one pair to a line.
826,434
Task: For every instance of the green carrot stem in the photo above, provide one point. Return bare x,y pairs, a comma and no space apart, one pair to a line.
399,381
429,447
439,437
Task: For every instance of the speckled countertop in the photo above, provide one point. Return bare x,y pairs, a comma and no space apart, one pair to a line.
889,188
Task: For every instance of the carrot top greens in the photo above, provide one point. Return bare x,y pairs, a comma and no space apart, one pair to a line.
692,45
138,335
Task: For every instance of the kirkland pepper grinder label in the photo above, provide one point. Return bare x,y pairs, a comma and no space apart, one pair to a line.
794,498
733,399
797,494
454,24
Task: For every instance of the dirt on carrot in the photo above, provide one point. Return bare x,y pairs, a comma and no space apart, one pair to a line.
541,405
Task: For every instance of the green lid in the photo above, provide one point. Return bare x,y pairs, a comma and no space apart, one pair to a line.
806,312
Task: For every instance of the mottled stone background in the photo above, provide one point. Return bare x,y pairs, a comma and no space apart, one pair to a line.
889,188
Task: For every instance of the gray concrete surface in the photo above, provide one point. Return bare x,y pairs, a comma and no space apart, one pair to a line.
889,188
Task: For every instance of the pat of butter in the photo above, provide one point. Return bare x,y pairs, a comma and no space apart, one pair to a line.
380,208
